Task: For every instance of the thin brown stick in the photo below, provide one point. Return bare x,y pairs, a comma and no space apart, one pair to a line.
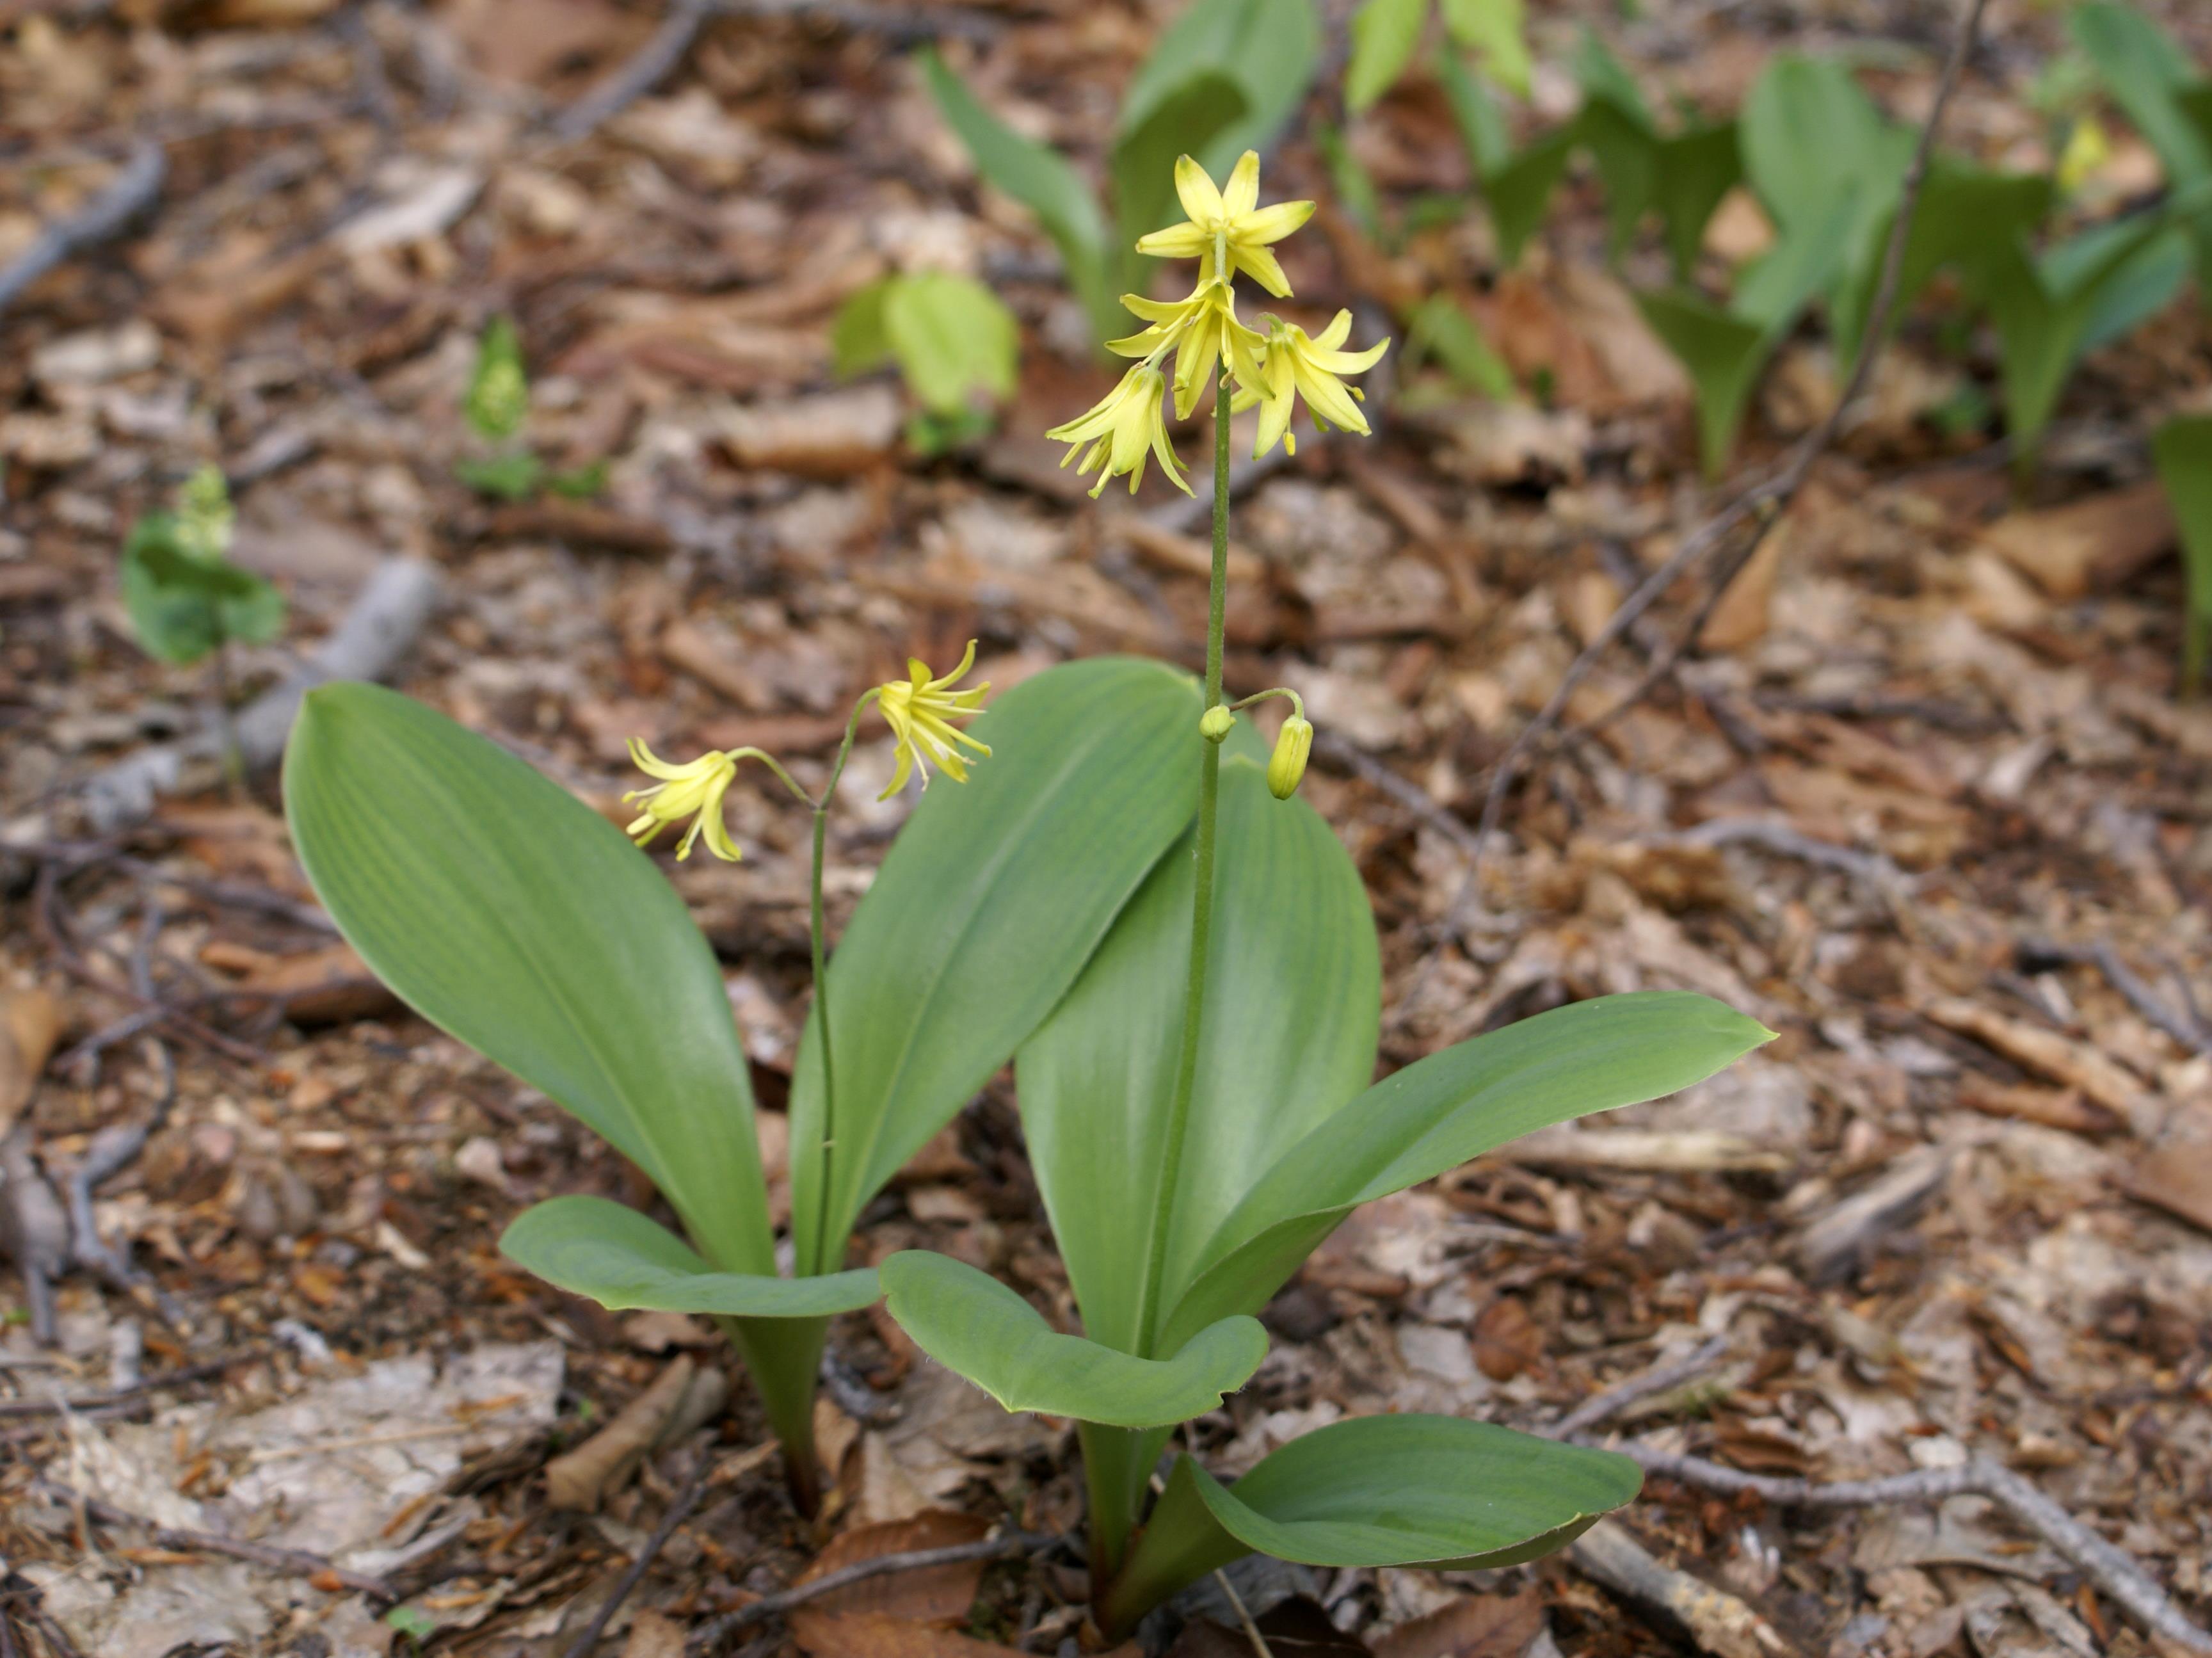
2104,1565
710,1636
1760,506
2180,1024
678,1512
180,1377
297,1561
1604,1406
130,193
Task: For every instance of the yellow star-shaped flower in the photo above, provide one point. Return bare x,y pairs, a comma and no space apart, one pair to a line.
1294,365
920,712
1124,428
1230,222
1203,332
694,790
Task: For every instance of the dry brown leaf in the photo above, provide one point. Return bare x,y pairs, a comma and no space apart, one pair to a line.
1473,1626
2046,1052
2054,1108
870,1635
2087,546
654,1635
1506,1340
931,1595
1740,617
2177,1178
30,1021
330,986
681,1398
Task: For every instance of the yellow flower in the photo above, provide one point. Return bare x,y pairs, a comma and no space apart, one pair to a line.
2088,150
1229,222
920,712
1203,332
1123,428
1294,365
693,791
1288,763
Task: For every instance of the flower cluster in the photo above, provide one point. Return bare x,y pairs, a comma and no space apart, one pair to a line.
1228,233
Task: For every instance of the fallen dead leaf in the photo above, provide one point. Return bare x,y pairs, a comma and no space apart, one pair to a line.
2086,546
1473,1626
30,1020
931,1595
2177,1177
871,1635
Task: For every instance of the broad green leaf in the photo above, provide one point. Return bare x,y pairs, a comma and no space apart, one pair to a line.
498,398
184,604
952,337
509,913
1183,123
1040,178
1723,354
989,904
1355,185
1520,192
2147,72
2183,450
858,340
1384,35
1691,171
612,1254
1964,212
1269,48
1605,79
971,1323
1499,31
1435,1114
1627,154
513,476
2137,288
1440,327
1287,1035
1808,128
1481,124
1411,1489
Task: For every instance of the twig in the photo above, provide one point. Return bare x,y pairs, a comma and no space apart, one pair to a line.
299,1561
2109,1568
1260,1647
1760,506
132,191
646,68
678,1512
710,1635
1408,794
1604,1406
182,1376
1870,870
2184,1025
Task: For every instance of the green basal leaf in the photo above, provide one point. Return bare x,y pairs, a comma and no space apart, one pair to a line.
1354,185
859,342
1288,1035
1384,35
1520,192
953,337
1496,30
1441,328
1627,154
1692,170
1436,1114
1605,79
612,1254
1807,129
183,602
1398,1490
1481,123
1041,179
991,901
971,1323
1723,354
2183,450
512,915
1269,48
513,476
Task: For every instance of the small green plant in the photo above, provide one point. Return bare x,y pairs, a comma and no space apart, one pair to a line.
1386,34
2183,450
187,601
1196,1104
411,1624
957,346
496,407
1224,77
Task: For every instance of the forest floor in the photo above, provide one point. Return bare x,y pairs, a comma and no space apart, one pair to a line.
1928,763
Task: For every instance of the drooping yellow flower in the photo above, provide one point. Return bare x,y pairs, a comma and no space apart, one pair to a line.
1294,365
1229,222
920,712
1288,763
1203,332
694,790
1123,428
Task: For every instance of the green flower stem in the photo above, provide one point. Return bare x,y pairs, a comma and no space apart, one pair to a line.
1202,918
816,1260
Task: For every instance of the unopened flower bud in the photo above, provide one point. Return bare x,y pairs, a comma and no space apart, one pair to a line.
1288,763
1213,725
